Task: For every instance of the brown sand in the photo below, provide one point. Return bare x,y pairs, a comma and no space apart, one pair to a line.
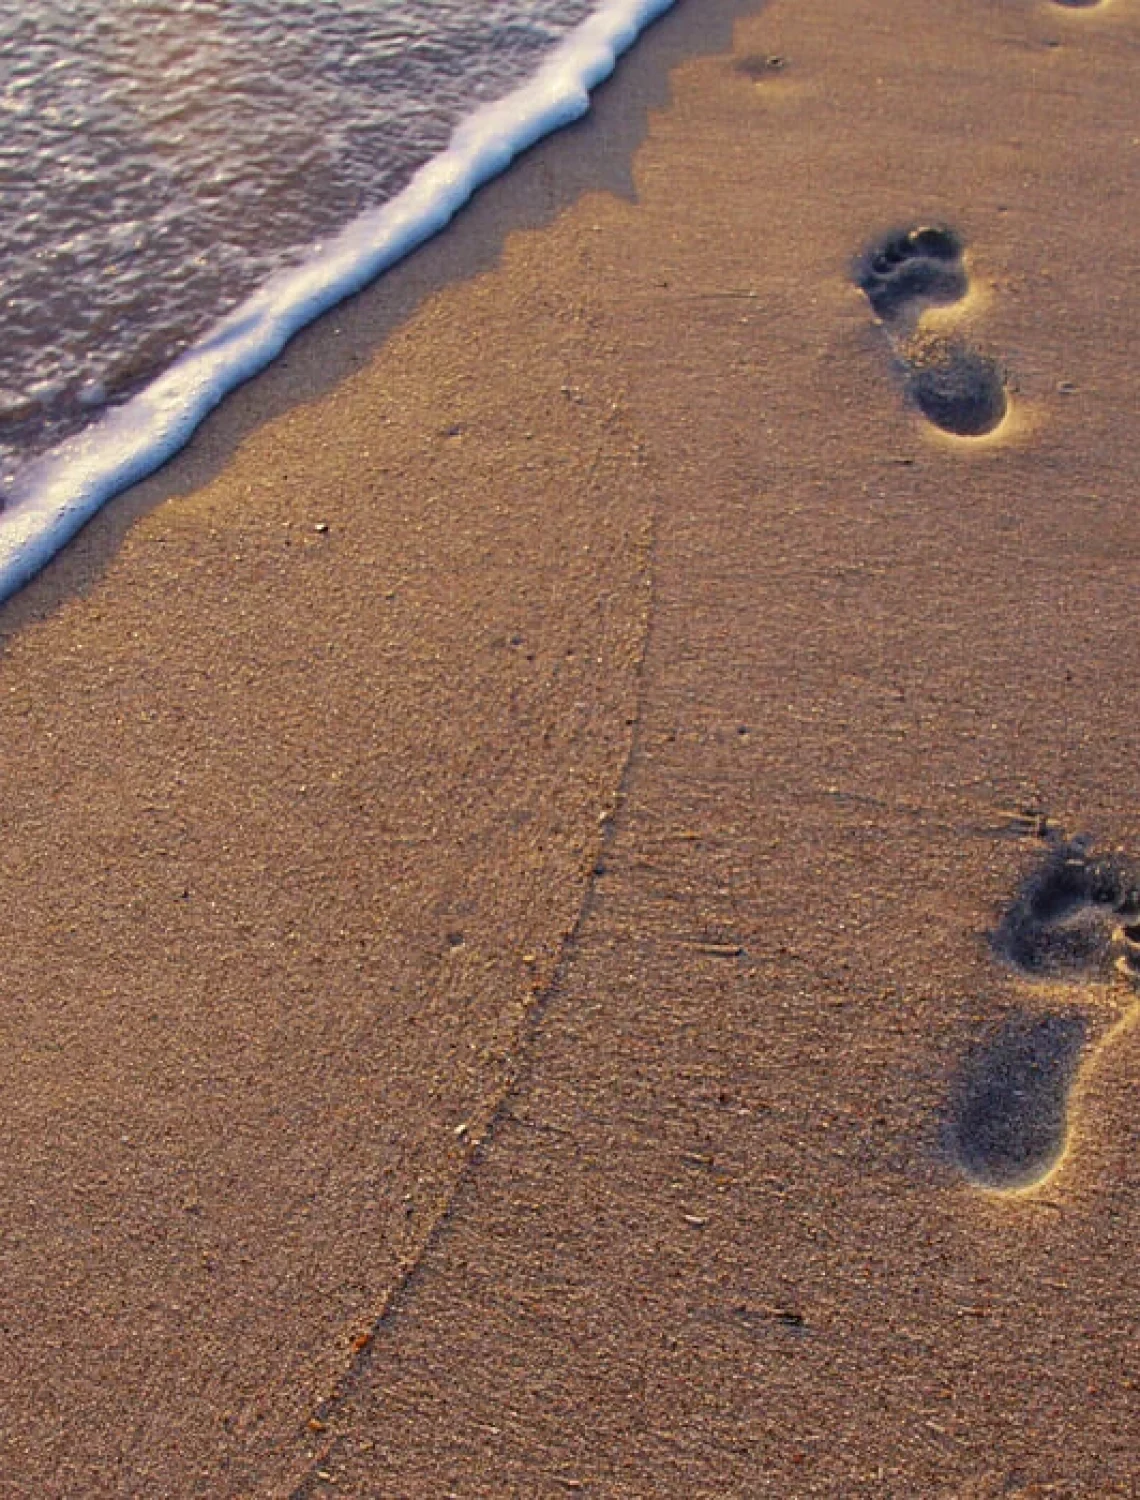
300,825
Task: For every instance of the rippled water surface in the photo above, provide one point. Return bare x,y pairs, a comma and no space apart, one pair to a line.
160,158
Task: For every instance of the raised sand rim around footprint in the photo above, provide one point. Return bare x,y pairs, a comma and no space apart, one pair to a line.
1072,924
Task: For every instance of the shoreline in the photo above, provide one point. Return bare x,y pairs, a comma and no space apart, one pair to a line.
511,826
54,495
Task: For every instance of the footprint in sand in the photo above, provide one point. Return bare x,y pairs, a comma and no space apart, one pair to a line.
1010,1119
1076,919
903,274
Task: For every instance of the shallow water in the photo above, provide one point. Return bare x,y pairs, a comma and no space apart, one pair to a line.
161,158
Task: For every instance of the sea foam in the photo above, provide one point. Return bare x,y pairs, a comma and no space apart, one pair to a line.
55,495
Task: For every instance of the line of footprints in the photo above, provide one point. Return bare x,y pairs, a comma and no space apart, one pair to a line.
907,271
1077,920
1076,924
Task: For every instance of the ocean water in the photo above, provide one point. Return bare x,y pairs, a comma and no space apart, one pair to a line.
187,182
160,158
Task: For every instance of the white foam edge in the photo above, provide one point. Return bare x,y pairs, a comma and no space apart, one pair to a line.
55,495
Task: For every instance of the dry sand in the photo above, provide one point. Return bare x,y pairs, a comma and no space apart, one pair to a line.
502,836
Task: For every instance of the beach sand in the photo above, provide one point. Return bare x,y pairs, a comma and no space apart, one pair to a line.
503,836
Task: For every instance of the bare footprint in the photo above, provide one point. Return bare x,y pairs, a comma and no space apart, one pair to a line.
1009,1121
911,266
1077,916
1074,920
904,273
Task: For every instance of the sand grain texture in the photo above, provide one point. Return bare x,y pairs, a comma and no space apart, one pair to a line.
290,808
303,792
718,1244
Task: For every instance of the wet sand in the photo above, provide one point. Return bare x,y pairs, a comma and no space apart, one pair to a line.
504,838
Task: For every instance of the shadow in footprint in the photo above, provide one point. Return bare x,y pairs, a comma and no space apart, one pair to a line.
910,266
1009,1119
1076,915
1076,918
955,388
761,67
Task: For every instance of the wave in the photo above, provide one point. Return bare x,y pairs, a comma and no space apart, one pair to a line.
55,495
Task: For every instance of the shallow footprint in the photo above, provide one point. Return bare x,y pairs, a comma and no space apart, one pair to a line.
911,266
955,388
1010,1118
1077,916
1076,919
